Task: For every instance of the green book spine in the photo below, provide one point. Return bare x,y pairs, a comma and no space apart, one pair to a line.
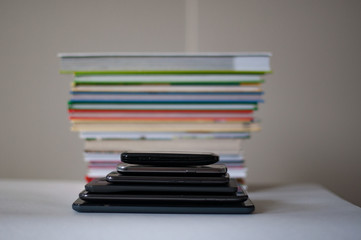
79,83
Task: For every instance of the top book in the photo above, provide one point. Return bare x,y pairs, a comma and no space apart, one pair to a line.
256,62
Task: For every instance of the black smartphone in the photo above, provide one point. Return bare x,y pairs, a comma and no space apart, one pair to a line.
102,186
169,158
245,207
203,170
239,196
115,177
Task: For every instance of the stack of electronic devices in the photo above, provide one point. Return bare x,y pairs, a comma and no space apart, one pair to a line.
165,182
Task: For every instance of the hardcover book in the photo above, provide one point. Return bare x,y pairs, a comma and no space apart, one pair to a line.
96,63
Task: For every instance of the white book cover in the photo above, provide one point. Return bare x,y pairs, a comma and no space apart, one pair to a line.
247,62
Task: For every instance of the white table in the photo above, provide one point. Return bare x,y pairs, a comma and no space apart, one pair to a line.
42,210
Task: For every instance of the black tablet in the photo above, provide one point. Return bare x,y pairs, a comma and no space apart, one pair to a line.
184,208
115,177
102,186
239,196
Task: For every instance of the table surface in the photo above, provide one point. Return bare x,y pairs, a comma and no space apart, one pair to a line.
42,210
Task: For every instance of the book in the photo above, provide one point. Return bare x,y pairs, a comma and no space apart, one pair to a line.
162,135
176,79
164,106
165,88
96,115
167,127
113,157
146,96
159,116
217,146
159,120
164,101
98,63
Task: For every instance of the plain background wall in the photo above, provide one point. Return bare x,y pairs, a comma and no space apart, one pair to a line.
311,118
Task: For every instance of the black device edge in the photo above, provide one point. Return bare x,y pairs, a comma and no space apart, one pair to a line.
246,207
203,170
169,158
102,186
116,177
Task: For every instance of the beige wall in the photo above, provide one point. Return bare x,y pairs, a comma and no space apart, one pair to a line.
311,118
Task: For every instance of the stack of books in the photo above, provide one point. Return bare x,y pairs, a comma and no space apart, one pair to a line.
165,183
202,102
